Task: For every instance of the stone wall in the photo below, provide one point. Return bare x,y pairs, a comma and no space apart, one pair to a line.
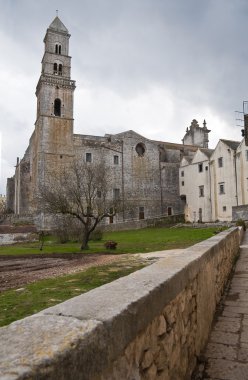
151,324
240,212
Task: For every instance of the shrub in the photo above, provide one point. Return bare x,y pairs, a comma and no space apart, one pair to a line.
241,222
110,244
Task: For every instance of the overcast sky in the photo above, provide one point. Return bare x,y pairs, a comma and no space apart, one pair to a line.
147,65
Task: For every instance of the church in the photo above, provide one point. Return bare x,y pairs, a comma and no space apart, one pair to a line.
142,171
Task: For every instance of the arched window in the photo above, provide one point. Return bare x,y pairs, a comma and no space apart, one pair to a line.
55,68
60,69
58,49
57,107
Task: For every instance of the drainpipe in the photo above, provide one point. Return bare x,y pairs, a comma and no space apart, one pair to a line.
122,176
210,189
236,179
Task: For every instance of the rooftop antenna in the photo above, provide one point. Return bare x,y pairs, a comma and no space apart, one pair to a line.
57,12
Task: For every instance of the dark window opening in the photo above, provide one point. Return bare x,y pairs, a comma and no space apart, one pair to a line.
200,215
141,213
206,168
222,188
220,162
182,183
88,157
60,69
58,49
57,107
182,173
55,68
224,208
201,191
140,149
116,160
169,210
200,168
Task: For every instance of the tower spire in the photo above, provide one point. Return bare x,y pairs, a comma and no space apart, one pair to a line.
57,12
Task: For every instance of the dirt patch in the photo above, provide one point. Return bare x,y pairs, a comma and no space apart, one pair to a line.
18,271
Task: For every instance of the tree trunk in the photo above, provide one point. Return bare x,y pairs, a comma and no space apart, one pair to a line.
85,240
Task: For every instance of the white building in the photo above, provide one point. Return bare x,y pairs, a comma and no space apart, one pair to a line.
212,182
223,180
195,186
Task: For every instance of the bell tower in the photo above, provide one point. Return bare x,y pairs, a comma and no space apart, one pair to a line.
52,140
55,91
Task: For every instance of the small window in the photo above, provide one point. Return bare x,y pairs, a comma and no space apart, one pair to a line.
201,191
182,173
57,107
88,157
169,210
141,213
220,162
206,168
116,160
59,49
200,168
60,69
222,188
55,68
224,208
182,183
140,149
246,155
116,193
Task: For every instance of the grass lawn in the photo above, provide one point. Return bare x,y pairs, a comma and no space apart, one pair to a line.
19,303
133,241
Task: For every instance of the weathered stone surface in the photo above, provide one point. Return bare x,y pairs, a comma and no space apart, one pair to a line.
143,326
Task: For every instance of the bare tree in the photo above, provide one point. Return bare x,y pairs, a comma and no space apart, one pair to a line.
82,191
3,210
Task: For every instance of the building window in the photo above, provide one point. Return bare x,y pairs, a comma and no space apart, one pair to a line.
220,162
60,69
182,183
200,168
224,208
169,210
246,155
140,149
55,68
222,188
201,191
182,173
57,107
88,157
116,160
58,49
206,168
116,193
141,213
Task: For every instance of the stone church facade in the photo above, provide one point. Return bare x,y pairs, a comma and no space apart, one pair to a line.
142,171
